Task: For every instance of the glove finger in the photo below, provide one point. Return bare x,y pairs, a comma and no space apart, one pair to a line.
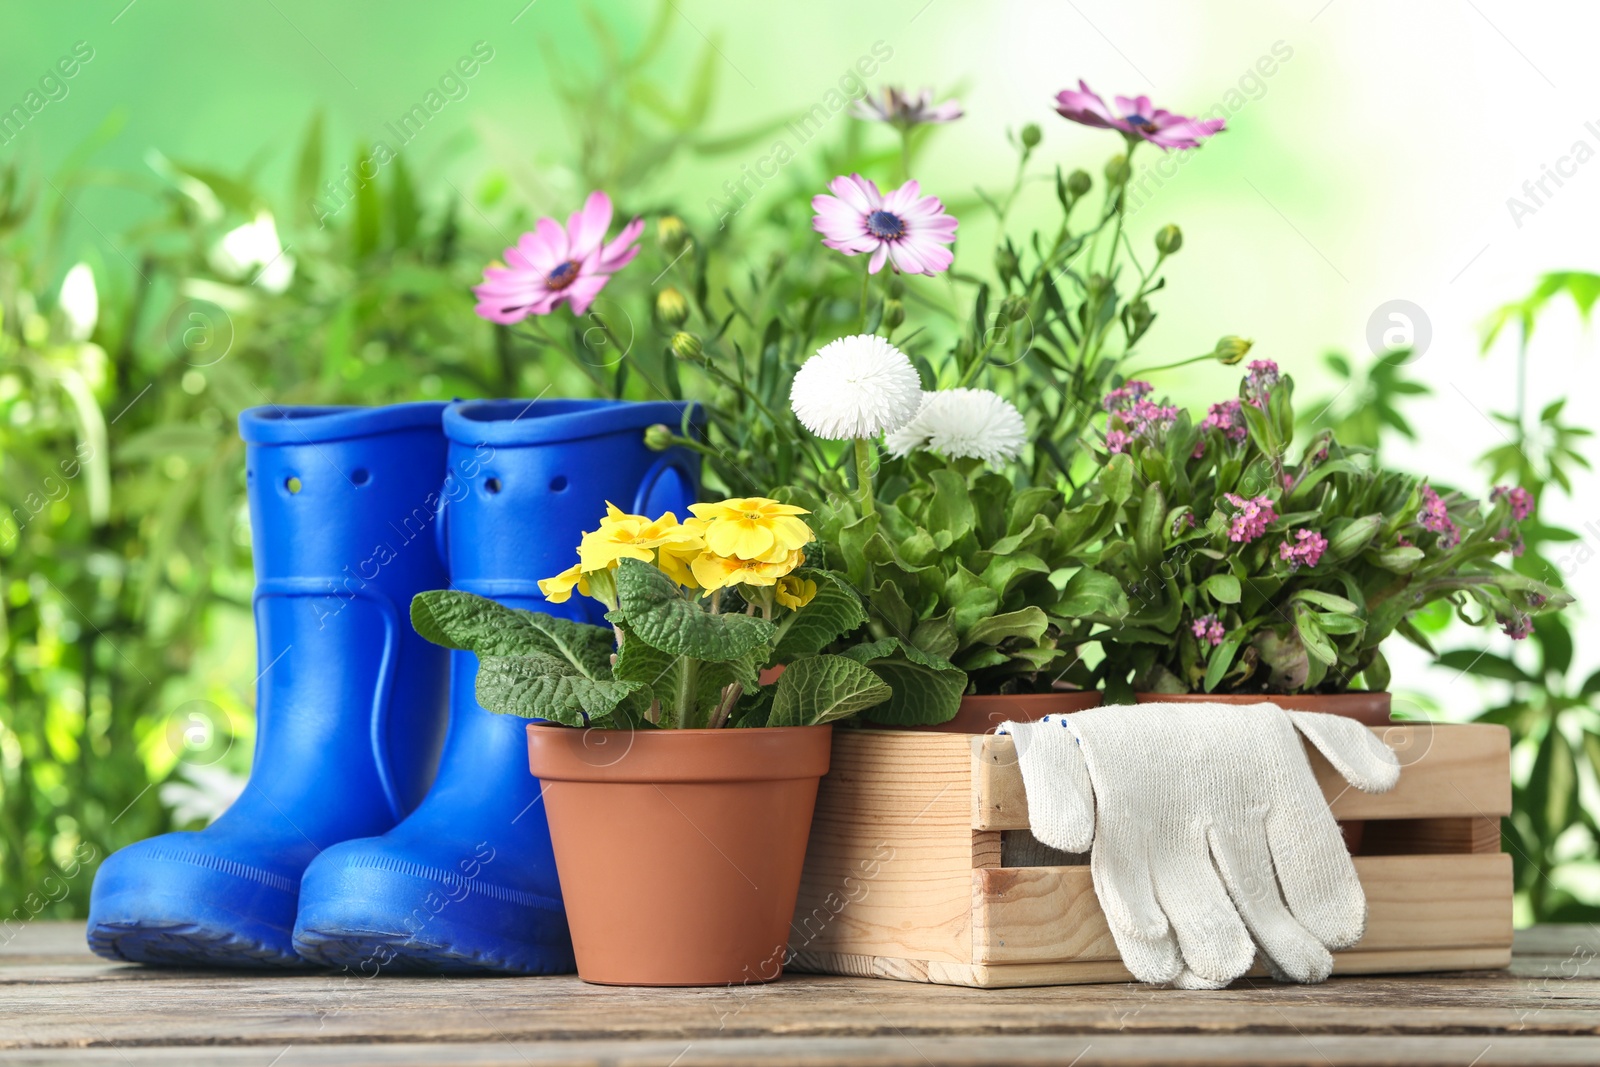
1189,980
1150,959
1245,863
1213,939
1355,751
1120,865
1316,875
1060,797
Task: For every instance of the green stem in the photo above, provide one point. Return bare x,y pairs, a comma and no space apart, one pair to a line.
864,476
905,154
687,683
866,281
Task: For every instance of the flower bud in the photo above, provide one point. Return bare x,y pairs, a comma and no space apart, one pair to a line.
671,234
1031,135
1231,349
671,307
1117,170
1169,239
1005,262
894,313
659,438
1014,308
1079,182
686,345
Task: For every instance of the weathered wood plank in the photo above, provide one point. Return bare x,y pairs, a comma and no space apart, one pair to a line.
1450,769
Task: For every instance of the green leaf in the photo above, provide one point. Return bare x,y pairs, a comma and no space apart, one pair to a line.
1484,664
1029,623
539,686
471,623
1221,659
1091,592
1401,560
1116,478
686,688
950,510
1224,588
821,689
655,609
927,689
1353,537
833,612
1327,601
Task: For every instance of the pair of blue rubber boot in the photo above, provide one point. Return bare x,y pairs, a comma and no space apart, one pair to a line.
357,842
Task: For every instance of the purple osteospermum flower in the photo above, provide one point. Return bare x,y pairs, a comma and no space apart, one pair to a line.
1209,628
1255,515
1304,549
552,264
1135,117
1520,499
902,227
1436,517
905,109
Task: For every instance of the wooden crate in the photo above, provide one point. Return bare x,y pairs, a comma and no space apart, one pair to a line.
916,865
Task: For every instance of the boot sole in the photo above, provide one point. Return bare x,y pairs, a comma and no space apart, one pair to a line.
370,953
186,944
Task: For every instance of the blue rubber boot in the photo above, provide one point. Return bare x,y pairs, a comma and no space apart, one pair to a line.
468,883
350,703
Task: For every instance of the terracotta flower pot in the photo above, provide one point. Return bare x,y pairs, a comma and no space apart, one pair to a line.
1369,709
984,714
679,851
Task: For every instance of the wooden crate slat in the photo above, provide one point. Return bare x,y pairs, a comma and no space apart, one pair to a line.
1450,770
1017,975
889,865
1050,914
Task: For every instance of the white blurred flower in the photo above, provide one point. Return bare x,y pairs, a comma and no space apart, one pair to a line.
253,251
963,424
207,793
79,302
855,387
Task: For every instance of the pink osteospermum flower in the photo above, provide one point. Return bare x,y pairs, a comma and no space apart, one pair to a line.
905,109
902,227
1520,499
1305,548
1255,515
553,264
1135,117
1209,628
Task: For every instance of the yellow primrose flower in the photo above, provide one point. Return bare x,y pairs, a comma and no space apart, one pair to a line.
753,528
794,592
623,536
674,559
558,590
718,572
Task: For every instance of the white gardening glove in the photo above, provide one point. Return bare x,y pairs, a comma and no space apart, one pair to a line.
1198,813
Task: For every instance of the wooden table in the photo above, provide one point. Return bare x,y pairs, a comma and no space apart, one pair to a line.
59,1004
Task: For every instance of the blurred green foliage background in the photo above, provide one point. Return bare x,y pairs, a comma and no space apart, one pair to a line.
197,162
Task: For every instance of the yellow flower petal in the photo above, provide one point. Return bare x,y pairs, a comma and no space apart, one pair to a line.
795,593
558,590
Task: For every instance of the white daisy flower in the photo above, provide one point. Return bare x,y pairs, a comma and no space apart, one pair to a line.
962,424
79,302
855,387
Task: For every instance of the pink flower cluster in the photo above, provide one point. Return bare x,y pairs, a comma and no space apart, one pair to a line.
1521,500
1517,627
1255,515
1304,549
1225,417
1135,416
1209,628
1512,538
1259,382
1436,517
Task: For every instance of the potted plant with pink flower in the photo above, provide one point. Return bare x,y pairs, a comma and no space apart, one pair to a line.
1254,569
